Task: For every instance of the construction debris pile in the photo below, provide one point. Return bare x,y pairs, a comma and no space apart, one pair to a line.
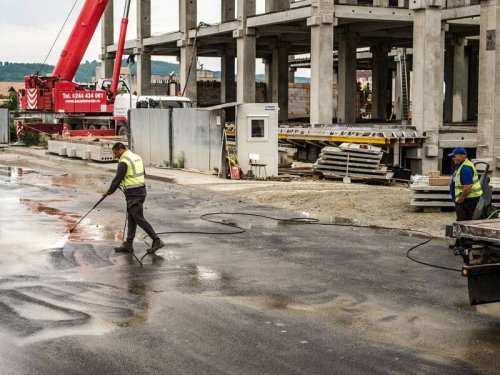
356,161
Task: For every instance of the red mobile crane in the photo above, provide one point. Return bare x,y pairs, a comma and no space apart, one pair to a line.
76,106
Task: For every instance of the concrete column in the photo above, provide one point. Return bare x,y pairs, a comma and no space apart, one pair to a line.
291,75
321,23
428,76
472,82
396,154
227,10
143,58
379,82
228,83
459,81
280,80
335,101
107,38
465,97
268,71
291,71
277,5
188,58
347,78
488,127
398,95
246,54
448,82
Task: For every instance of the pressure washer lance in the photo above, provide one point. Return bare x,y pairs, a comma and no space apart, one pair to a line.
60,244
93,208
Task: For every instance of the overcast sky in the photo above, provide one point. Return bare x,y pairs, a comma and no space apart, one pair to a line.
29,27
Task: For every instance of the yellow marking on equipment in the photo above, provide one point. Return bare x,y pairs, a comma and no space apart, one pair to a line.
335,138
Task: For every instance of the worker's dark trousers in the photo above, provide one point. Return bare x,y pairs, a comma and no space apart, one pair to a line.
465,210
136,218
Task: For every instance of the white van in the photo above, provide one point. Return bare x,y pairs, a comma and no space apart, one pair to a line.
123,102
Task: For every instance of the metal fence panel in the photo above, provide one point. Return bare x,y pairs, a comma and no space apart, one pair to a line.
150,135
184,134
159,131
215,139
4,126
197,135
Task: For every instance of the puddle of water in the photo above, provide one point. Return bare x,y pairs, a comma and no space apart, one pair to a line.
199,279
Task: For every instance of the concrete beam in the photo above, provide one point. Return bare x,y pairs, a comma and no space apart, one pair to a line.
461,12
280,17
129,46
222,28
163,39
372,13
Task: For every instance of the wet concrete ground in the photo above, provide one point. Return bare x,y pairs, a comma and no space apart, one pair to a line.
279,298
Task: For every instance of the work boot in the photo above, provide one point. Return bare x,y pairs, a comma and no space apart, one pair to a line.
126,247
157,244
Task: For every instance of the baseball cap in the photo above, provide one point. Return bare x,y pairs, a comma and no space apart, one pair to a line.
457,151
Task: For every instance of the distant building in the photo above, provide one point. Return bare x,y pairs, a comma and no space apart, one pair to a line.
206,75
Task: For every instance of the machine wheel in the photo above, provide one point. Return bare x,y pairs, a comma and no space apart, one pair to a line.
104,127
92,127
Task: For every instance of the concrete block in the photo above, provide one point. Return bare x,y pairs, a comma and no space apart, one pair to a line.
432,151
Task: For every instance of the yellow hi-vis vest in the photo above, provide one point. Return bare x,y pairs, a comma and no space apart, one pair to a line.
135,170
476,190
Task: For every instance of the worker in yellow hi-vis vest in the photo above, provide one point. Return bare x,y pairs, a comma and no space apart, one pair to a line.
130,176
465,188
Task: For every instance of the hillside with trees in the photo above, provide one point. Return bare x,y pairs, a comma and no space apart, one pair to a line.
15,72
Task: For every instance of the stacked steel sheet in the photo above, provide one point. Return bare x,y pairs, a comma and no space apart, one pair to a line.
358,161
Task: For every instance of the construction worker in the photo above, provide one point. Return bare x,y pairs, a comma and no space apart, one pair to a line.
130,176
465,188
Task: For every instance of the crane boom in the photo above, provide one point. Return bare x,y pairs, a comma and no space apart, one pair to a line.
79,39
119,52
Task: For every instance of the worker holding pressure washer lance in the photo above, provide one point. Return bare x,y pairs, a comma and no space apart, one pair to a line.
130,177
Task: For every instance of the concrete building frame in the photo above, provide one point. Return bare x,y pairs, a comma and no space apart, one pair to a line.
451,44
